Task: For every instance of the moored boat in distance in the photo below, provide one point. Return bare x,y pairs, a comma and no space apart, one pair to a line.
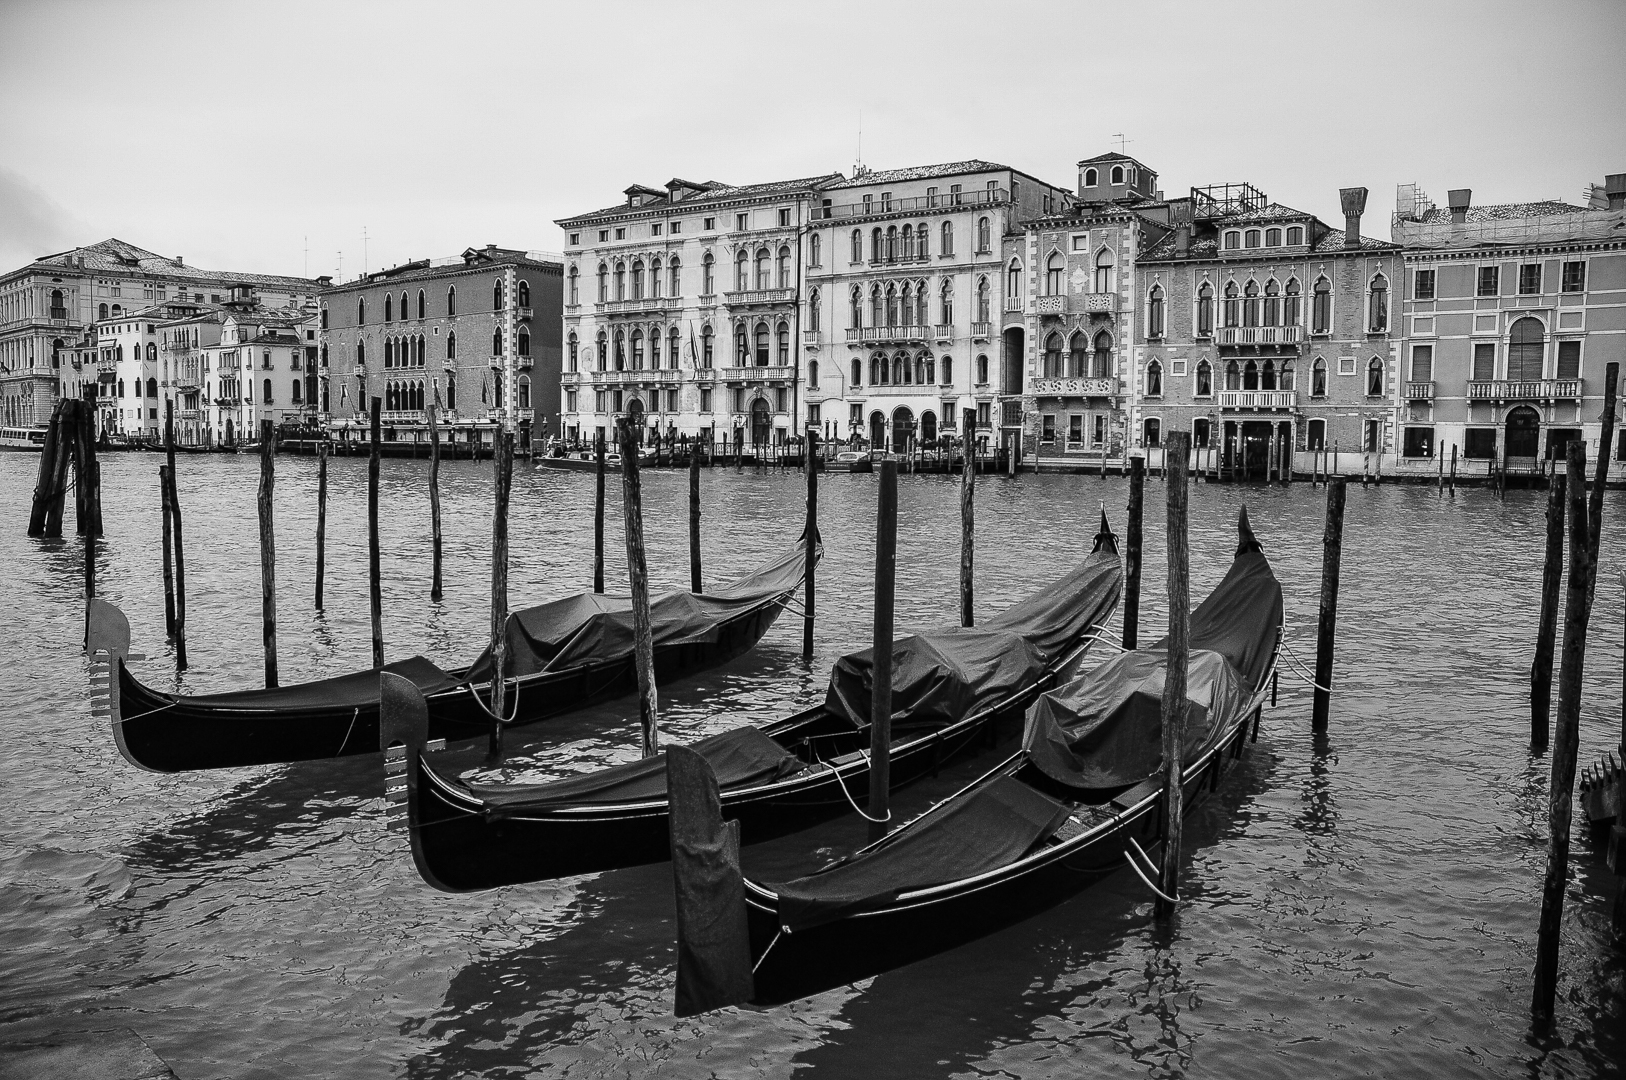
23,438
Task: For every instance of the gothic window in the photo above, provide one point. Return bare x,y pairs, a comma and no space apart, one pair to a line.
1250,303
855,305
1053,275
620,350
406,312
891,305
496,342
984,301
524,343
1103,272
1273,304
1013,279
1233,375
1205,379
1233,304
1052,356
1290,303
813,309
496,295
1267,375
1101,365
1250,375
1205,310
1378,318
813,244
1154,379
946,302
1287,375
922,315
1077,355
389,307
1374,378
1154,312
1321,307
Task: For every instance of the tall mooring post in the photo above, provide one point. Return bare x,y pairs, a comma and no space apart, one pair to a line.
268,550
375,593
1174,680
694,516
321,518
638,577
598,515
880,713
502,461
810,534
968,519
1566,739
1137,497
1332,547
1552,574
434,498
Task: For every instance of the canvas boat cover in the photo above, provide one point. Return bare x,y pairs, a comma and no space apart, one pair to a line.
990,827
356,690
1104,730
591,627
940,676
740,758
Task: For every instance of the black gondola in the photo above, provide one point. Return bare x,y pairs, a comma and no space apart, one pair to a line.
951,688
561,656
1045,822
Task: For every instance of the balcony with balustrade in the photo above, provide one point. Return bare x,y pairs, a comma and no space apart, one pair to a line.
1075,386
1253,401
759,297
962,200
775,374
980,331
640,305
403,416
1420,391
640,377
1503,390
1082,304
1258,335
888,335
812,338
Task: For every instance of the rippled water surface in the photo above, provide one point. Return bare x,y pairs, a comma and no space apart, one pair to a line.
1362,905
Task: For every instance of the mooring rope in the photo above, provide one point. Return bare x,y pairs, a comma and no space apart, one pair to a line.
149,712
501,720
350,731
1303,673
766,951
1135,866
843,786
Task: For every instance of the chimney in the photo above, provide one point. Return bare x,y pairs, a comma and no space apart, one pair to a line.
1354,200
1180,213
1614,189
179,261
1459,200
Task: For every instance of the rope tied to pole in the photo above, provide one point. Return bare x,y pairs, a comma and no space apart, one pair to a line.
835,771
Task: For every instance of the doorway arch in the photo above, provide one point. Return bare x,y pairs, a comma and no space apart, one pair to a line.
761,422
1013,352
1523,432
877,431
903,425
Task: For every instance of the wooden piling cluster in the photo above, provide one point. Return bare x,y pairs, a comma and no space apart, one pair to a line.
1174,679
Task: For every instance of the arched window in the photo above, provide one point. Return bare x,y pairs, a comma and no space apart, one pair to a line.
1273,238
102,312
1378,310
655,280
267,399
982,368
742,271
1053,272
783,277
878,370
1117,174
1318,378
496,342
742,346
908,241
857,253
1103,272
985,241
1286,382
423,305
1321,307
891,306
361,354
1154,379
406,312
1152,432
637,279
877,245
573,296
603,283
946,244
1250,303
298,397
1250,238
1205,379
1078,355
858,373
984,300
947,371
620,280
59,309
1233,304
901,371
389,307
524,343
1250,375
674,277
1154,312
707,347
1013,279
1374,377
763,259
620,350
637,350
389,352
1091,178
496,295
1267,375
524,298
602,348
1233,239
1526,344
152,353
1291,304
708,275
1101,364
891,243
121,388
1273,304
573,356
1295,235
812,374
813,245
1233,375
922,315
451,293
1052,356
783,354
451,390
946,302
762,344
922,240
813,309
855,298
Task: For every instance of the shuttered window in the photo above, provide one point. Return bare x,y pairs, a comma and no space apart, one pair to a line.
1569,359
1422,363
1524,350
1484,362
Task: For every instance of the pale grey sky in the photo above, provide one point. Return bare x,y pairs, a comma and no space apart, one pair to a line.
238,135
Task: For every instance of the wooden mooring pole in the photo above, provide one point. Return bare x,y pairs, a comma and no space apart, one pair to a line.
321,519
44,490
374,588
598,516
502,461
1174,679
268,550
1453,482
1332,547
88,505
638,577
1137,498
968,520
880,713
169,547
811,543
1560,791
694,516
1552,574
434,499
1601,482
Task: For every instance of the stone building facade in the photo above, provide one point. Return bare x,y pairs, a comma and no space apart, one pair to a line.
480,333
1511,314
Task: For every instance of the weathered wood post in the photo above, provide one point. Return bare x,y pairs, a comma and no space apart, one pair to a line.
1453,468
169,548
321,519
59,469
268,551
694,516
1552,574
1332,547
638,577
1440,455
374,588
598,515
810,542
1174,679
177,535
880,714
968,521
88,505
1595,503
1577,609
54,448
502,460
434,498
1137,497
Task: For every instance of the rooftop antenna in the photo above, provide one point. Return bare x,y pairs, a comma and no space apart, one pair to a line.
1122,142
341,266
364,251
307,256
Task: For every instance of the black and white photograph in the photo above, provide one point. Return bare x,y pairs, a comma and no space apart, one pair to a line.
763,541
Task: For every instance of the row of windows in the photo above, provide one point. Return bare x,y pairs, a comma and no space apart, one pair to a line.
1236,239
742,223
903,304
1081,360
522,298
1055,273
894,244
1526,357
758,346
228,387
1249,305
1488,280
1117,175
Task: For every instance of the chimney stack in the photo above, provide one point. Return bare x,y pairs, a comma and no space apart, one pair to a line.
1614,189
1459,200
1354,200
1181,212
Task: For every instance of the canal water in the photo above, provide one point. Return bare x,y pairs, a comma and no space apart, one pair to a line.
1360,905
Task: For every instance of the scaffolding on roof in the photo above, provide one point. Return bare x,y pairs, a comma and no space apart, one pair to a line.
1226,200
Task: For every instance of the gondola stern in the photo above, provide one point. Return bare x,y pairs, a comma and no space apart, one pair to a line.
1105,538
403,732
107,647
1246,541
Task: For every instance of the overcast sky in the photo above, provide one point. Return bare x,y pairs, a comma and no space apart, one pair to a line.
266,137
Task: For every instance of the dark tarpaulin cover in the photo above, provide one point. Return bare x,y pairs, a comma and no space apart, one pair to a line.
988,828
593,627
739,758
1104,729
357,689
940,676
